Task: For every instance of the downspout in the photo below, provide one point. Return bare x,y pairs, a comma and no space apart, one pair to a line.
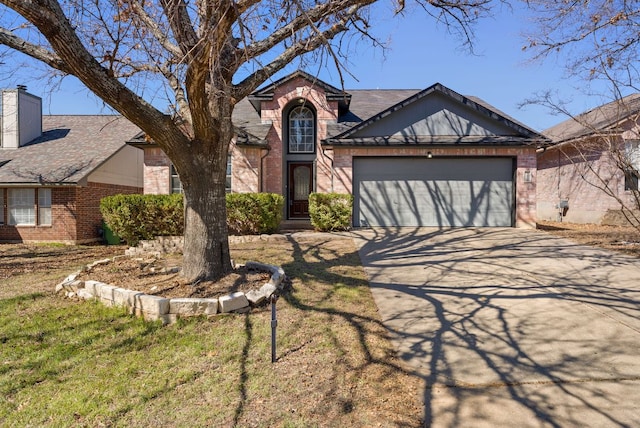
260,187
324,153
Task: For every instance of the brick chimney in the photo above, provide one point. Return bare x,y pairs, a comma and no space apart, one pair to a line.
21,117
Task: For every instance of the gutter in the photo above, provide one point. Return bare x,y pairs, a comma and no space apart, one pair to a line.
324,154
37,184
578,139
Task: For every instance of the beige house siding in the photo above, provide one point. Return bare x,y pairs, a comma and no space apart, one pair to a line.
124,168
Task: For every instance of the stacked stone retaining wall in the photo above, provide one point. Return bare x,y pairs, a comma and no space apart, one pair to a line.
167,310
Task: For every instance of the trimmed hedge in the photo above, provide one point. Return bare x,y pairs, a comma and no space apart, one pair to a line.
330,211
254,213
137,217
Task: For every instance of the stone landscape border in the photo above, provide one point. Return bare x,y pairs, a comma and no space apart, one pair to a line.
168,310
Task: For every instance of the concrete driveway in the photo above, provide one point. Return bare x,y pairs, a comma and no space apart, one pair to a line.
510,327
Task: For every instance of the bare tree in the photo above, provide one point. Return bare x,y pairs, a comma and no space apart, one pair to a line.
206,55
601,147
596,39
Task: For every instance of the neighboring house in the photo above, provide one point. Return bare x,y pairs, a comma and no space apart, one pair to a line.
581,175
55,169
410,157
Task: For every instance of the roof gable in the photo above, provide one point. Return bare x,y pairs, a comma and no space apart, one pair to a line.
70,148
604,118
437,113
332,93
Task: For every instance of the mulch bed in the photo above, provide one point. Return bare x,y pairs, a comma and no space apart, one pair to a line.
154,276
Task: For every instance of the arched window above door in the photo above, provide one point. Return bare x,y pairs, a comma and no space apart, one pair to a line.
301,130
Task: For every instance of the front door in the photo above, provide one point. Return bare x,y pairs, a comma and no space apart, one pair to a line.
300,185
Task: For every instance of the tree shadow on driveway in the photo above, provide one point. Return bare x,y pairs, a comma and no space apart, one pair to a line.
510,327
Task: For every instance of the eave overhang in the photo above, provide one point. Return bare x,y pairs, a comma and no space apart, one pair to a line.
521,130
430,141
243,138
331,92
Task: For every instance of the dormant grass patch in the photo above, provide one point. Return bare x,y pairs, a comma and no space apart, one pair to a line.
67,362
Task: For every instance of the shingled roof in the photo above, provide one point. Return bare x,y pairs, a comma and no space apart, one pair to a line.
364,103
70,148
604,118
385,104
331,92
249,129
359,107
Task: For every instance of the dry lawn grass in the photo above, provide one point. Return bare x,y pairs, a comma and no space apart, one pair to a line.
70,363
624,239
42,264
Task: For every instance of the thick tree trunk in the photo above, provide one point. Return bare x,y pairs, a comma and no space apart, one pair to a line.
206,243
202,165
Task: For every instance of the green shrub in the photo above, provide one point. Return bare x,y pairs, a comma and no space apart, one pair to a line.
137,217
254,213
330,211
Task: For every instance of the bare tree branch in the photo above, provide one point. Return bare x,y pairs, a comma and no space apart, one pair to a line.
599,38
250,83
50,58
181,26
161,36
602,135
206,55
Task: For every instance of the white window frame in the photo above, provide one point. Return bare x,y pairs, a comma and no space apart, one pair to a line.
632,153
301,127
45,217
27,206
21,204
227,183
174,178
632,156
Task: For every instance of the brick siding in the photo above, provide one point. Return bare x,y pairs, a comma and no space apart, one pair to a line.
563,174
89,218
273,111
333,166
156,171
245,169
75,214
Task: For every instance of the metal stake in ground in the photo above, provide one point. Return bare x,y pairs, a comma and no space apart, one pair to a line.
274,324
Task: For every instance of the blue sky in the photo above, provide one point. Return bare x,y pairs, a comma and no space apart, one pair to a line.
420,54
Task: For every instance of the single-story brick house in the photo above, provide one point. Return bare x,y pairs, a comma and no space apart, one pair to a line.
55,169
579,179
427,157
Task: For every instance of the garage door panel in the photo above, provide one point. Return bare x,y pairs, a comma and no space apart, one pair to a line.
388,203
433,192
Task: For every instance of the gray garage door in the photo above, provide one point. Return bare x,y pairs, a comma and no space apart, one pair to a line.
445,192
